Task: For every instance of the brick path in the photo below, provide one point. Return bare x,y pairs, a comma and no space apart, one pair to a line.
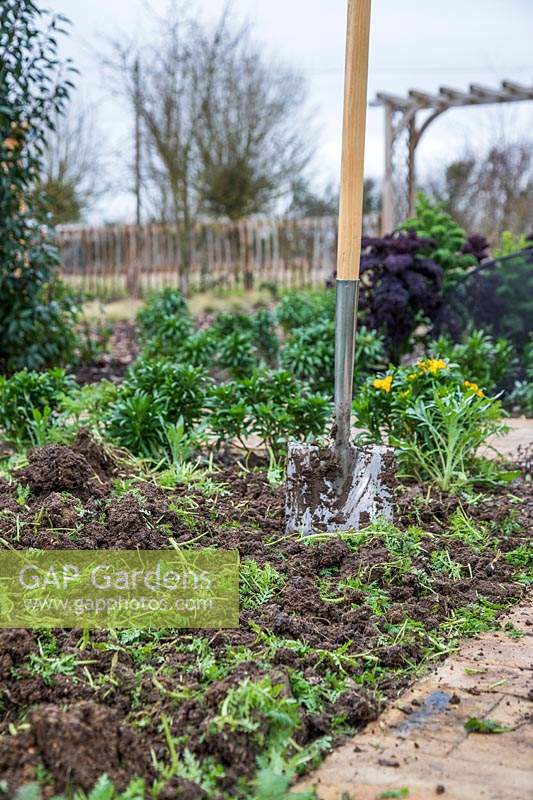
520,433
420,745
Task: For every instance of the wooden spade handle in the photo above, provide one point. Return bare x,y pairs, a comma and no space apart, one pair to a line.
353,140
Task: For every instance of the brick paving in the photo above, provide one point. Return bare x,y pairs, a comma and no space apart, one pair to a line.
419,748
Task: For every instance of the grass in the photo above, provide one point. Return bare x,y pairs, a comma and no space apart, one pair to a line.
114,311
475,725
464,529
258,584
232,300
126,308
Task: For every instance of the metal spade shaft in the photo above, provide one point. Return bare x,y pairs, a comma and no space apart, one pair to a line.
345,329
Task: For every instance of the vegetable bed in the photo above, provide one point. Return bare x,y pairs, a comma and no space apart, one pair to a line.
332,626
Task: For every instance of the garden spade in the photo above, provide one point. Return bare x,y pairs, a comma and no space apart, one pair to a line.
340,486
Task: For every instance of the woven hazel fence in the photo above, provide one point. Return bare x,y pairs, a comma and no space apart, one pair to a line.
129,260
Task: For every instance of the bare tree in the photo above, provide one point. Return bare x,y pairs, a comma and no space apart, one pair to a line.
73,169
490,192
219,122
306,202
250,125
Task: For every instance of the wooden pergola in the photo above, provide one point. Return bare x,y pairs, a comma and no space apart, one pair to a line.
404,128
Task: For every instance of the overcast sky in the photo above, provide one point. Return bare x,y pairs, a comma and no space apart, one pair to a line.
414,44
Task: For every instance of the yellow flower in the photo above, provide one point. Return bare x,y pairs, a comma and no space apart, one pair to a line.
432,365
385,384
474,388
413,376
10,143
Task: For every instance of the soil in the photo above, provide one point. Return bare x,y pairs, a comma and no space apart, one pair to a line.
112,365
104,715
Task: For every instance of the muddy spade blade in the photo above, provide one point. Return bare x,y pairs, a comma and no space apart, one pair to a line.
324,494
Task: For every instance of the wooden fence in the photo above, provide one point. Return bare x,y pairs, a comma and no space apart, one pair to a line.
129,260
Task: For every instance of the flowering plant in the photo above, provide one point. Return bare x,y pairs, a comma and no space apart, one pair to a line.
433,416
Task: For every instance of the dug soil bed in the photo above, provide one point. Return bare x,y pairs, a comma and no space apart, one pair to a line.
112,365
346,625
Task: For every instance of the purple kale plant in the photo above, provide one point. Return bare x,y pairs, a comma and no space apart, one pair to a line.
400,287
477,247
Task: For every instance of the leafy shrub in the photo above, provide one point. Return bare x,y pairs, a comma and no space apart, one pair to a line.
309,354
299,309
434,417
37,314
236,353
369,353
274,406
522,394
245,341
264,335
177,389
486,360
446,241
28,398
135,422
400,288
155,394
235,342
165,324
509,244
167,303
199,349
169,339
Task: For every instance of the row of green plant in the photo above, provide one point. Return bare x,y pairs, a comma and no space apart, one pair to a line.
194,390
298,336
163,408
434,417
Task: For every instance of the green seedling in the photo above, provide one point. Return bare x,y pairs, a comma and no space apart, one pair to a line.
258,584
463,528
184,507
271,785
185,764
22,494
261,709
521,557
475,725
442,562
